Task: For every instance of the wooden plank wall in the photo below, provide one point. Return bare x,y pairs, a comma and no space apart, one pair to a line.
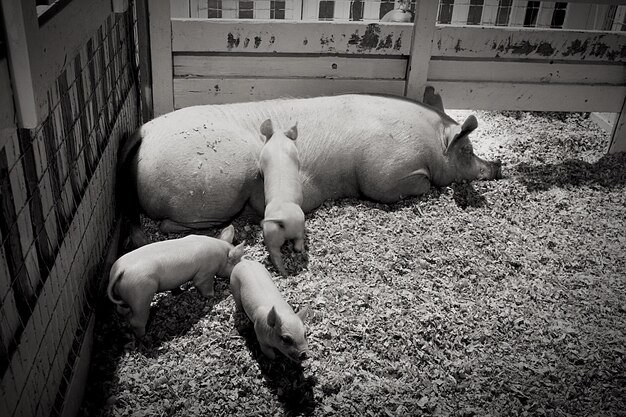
57,211
473,67
227,61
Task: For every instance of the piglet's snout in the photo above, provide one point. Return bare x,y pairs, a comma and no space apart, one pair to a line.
303,356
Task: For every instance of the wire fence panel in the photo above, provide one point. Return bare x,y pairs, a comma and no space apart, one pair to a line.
57,212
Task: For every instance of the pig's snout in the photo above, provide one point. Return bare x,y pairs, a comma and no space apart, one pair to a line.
303,356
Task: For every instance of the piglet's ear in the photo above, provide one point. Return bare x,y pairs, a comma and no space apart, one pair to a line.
469,125
304,312
432,99
235,254
267,129
228,234
292,133
273,319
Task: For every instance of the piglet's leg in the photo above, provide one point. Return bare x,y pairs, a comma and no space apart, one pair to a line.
140,314
298,244
205,284
274,236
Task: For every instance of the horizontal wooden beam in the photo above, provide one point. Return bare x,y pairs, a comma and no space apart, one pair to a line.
531,97
281,66
254,36
526,72
528,43
189,92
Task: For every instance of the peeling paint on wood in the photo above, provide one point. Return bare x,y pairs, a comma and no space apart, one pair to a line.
526,43
231,41
398,44
371,39
525,48
290,37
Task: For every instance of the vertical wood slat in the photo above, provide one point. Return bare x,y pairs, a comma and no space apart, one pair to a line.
421,47
161,57
20,21
143,47
618,137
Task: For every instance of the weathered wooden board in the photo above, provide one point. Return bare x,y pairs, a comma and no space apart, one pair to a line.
618,137
145,68
61,37
289,66
528,43
527,72
20,19
161,56
7,112
189,92
536,97
421,46
198,35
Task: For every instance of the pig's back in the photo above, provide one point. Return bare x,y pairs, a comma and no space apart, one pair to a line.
253,284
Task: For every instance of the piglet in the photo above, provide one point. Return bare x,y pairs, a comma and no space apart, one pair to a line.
275,323
280,166
138,275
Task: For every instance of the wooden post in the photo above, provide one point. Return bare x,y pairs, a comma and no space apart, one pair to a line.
160,24
145,72
618,138
421,47
22,28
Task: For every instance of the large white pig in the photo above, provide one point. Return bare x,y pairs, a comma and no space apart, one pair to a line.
198,166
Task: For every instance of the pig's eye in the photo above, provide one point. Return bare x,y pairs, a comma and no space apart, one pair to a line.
286,340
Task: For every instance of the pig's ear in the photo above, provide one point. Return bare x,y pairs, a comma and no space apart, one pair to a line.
267,129
432,99
304,312
228,234
235,254
292,133
469,125
273,319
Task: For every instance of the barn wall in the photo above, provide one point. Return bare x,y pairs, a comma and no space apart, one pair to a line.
57,214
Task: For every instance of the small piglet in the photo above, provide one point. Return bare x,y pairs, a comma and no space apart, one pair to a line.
280,166
162,266
275,323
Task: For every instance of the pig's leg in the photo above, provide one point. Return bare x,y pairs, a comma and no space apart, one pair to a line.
277,260
274,237
205,284
298,244
141,296
397,187
139,319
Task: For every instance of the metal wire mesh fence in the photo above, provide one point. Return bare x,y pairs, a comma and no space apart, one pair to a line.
57,211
